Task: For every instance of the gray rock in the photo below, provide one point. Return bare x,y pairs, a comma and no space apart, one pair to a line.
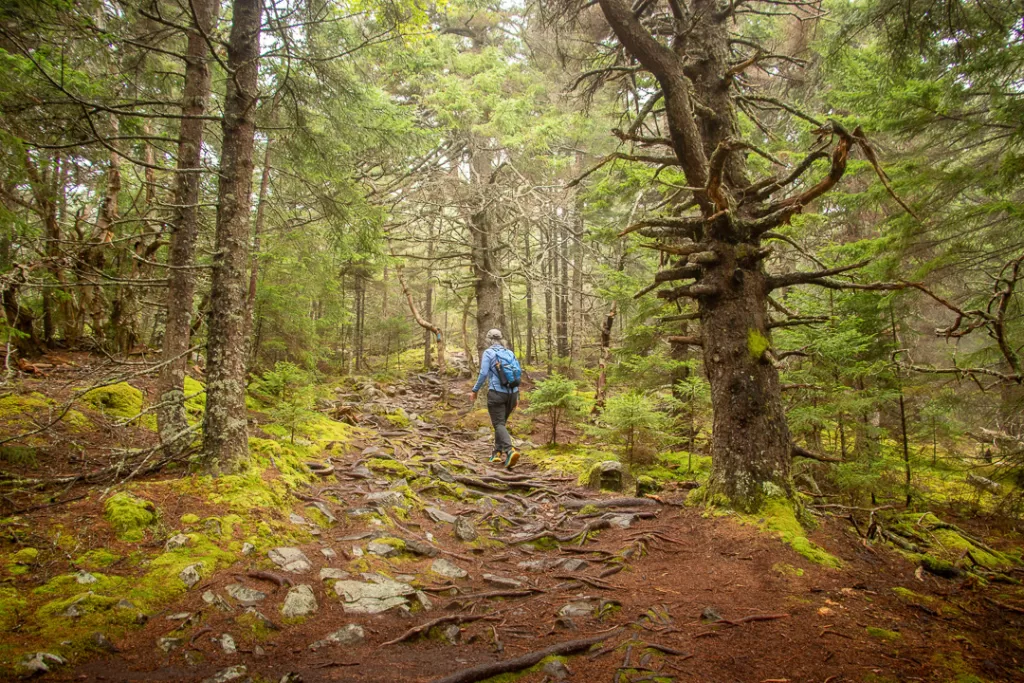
609,475
177,541
248,548
213,527
351,634
328,553
420,548
557,670
539,565
245,595
710,614
324,510
465,530
382,549
374,451
190,575
290,559
452,633
574,565
211,598
169,643
501,581
439,515
622,521
179,616
261,617
372,598
333,574
388,498
229,674
40,663
445,568
227,643
424,601
399,484
296,519
85,578
578,608
300,602
102,643
291,677
361,512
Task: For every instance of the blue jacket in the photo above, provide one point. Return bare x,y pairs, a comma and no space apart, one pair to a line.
489,372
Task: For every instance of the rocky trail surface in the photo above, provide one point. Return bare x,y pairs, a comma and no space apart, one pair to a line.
430,564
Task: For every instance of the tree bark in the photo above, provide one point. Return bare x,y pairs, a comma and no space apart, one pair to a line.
529,294
225,438
562,259
184,226
487,287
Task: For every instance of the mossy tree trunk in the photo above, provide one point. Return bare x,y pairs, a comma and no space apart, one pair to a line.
225,438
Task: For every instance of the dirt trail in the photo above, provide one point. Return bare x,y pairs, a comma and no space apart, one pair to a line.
503,564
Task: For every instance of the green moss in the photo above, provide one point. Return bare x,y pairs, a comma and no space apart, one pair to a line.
16,410
162,582
188,518
939,567
953,544
391,468
118,400
779,515
18,455
99,558
77,421
399,419
12,605
787,569
256,627
129,515
525,673
757,344
881,633
909,597
26,556
87,602
196,405
589,510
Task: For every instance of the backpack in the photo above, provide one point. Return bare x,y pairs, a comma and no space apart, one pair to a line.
507,368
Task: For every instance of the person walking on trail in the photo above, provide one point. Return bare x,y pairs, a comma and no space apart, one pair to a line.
501,370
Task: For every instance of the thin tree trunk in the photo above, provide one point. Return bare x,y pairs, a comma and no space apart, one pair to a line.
530,351
577,280
170,414
549,278
225,438
562,259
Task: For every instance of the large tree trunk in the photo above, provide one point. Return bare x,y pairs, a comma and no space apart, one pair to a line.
225,438
751,445
529,294
170,414
482,227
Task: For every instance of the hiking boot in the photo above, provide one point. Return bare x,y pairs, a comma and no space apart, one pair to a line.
511,459
496,456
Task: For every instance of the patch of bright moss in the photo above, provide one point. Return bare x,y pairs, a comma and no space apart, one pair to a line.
129,515
99,558
16,409
196,405
118,400
953,544
391,468
26,556
525,673
881,633
162,582
188,518
287,458
757,344
779,515
909,597
77,421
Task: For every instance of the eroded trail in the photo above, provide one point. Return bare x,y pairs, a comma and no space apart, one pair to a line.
436,565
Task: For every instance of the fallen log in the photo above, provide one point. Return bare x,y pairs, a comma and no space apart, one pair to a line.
609,503
482,672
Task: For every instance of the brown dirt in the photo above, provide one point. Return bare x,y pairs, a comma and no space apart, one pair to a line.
680,563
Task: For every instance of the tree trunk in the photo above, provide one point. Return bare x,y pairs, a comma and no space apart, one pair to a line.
529,294
751,453
562,258
577,280
549,278
184,231
225,440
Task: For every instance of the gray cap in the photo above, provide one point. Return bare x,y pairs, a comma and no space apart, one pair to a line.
493,335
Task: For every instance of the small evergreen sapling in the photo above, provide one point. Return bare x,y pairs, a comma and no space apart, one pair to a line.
290,392
556,397
635,423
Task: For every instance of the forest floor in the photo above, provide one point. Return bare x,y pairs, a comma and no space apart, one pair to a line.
276,575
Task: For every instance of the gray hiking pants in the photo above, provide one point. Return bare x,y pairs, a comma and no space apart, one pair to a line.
499,406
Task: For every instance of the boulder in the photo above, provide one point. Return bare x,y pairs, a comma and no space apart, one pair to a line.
245,595
465,530
609,475
190,575
351,634
300,602
176,541
290,559
445,568
372,598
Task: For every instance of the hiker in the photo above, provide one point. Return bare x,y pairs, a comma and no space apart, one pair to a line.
500,368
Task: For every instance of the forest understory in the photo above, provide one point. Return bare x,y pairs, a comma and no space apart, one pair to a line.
173,575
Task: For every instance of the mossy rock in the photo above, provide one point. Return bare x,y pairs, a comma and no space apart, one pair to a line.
17,409
610,475
130,516
25,556
646,484
118,400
